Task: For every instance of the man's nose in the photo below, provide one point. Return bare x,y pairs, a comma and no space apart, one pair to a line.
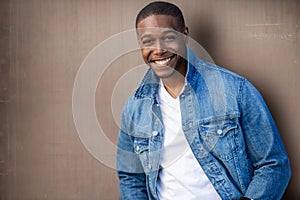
159,47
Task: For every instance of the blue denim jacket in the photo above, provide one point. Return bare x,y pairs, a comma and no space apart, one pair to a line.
227,125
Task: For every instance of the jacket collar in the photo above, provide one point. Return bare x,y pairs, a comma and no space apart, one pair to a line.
148,87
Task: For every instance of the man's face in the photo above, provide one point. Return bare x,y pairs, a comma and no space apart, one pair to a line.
162,44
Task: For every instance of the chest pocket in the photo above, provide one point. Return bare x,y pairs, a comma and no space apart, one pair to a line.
220,137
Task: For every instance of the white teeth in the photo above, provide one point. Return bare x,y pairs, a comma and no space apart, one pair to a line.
162,62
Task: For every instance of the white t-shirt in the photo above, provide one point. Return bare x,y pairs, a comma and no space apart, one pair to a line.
181,176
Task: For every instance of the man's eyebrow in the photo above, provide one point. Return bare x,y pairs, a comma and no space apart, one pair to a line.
163,33
170,31
144,36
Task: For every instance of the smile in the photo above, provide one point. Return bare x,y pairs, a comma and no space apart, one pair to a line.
163,61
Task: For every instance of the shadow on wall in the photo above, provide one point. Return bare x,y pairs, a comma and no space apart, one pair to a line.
204,34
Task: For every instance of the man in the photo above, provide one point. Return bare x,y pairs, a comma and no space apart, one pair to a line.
193,130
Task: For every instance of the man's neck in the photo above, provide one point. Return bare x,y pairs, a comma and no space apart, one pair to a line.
175,83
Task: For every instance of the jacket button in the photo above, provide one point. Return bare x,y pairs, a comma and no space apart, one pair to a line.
137,148
219,131
149,167
154,133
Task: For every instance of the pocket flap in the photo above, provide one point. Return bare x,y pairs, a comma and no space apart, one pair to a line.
218,128
141,145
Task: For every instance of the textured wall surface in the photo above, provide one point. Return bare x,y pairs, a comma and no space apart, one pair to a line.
44,42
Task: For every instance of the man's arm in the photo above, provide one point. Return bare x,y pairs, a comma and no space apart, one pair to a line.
129,168
264,147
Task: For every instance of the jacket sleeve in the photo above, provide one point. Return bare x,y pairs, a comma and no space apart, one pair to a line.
131,175
264,147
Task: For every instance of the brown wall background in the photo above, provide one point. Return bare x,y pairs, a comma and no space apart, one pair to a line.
43,43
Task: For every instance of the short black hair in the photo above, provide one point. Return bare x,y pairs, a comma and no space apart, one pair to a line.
161,8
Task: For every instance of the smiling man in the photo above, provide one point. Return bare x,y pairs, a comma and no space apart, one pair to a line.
193,130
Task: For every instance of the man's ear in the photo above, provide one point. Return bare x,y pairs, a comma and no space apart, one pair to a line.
186,33
138,36
139,42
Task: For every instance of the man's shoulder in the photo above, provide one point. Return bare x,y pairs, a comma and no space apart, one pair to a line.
220,68
213,73
211,69
224,72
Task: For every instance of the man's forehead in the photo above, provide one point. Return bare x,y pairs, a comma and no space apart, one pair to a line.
149,31
160,21
157,25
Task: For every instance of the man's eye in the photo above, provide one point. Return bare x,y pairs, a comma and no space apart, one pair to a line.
147,42
169,38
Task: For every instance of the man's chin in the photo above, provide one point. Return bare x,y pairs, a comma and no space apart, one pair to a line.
164,74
